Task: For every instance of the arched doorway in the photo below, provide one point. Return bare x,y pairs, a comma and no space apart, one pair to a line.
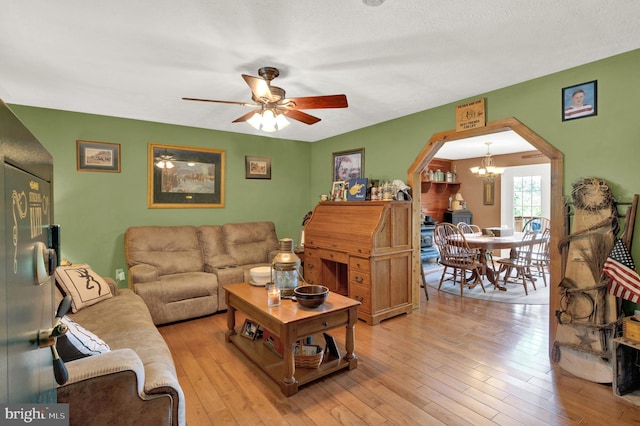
557,197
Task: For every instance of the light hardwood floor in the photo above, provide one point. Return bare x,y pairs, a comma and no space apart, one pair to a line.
451,362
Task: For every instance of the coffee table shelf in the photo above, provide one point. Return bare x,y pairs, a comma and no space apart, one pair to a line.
273,365
291,323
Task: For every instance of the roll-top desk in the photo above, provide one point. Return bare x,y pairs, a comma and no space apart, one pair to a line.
362,249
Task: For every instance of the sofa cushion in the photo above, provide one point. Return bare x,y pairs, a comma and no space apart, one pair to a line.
85,287
250,242
78,342
180,296
212,242
171,249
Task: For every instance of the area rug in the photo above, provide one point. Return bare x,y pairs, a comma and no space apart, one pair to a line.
514,293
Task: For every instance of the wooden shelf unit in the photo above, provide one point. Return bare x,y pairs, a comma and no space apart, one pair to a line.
363,250
435,194
440,187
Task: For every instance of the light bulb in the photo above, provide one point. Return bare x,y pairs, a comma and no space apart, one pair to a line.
268,121
255,120
281,121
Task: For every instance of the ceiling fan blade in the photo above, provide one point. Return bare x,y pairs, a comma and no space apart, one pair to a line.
316,102
301,116
259,88
221,102
245,117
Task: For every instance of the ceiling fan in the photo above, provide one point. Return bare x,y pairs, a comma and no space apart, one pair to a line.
270,101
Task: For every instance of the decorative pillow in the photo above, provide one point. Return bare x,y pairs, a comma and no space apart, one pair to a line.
78,342
85,287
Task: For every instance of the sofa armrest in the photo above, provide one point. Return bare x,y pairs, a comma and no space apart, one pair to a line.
107,363
113,286
142,274
226,276
115,382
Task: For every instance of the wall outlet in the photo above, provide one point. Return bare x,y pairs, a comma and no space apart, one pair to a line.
120,275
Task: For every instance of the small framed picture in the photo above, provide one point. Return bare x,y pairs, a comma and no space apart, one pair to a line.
580,101
331,346
348,164
337,190
250,330
488,193
257,167
98,156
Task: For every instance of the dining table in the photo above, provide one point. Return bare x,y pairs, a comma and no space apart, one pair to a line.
484,243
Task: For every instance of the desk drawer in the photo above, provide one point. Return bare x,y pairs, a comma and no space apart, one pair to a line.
360,277
359,263
323,323
310,253
335,256
313,271
363,295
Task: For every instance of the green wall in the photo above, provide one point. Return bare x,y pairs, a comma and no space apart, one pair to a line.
94,209
606,146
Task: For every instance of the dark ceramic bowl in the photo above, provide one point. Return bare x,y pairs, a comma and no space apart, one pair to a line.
311,296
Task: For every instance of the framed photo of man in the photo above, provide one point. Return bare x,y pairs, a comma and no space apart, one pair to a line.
580,101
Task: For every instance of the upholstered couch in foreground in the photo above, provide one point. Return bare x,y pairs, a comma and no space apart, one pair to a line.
179,271
135,382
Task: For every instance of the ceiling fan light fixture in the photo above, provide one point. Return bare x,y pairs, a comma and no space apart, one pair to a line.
268,121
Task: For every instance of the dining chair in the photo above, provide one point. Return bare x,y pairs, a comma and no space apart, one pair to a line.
456,254
540,257
467,228
537,224
521,263
473,229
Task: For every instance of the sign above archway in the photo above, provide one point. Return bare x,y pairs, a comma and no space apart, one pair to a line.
470,115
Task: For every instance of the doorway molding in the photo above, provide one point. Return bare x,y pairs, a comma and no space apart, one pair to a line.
556,159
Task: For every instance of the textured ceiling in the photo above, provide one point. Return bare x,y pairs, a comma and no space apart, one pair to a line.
136,59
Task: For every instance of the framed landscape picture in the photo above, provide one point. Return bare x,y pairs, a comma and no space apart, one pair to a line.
97,156
184,177
257,167
348,164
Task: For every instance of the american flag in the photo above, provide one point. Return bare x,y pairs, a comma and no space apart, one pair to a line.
619,266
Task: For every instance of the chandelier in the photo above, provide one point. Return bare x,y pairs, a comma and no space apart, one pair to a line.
268,120
488,170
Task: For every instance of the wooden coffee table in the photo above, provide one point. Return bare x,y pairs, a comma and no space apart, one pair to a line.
291,323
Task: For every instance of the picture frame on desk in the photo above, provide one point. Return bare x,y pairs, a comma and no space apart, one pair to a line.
337,190
357,190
